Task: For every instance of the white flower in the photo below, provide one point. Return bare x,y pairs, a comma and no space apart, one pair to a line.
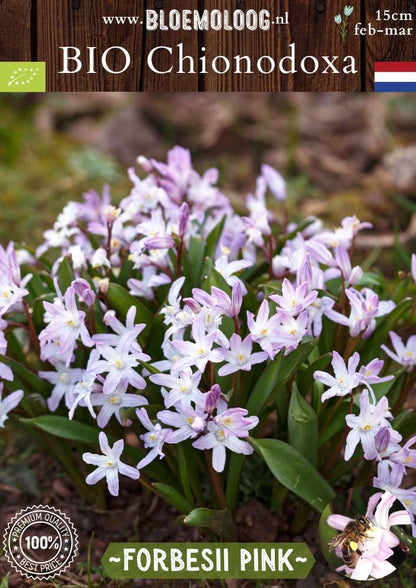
218,440
348,10
198,353
8,403
364,426
109,465
64,380
150,279
119,363
111,404
263,329
174,301
240,356
99,258
227,269
188,423
344,380
338,19
154,439
404,353
183,388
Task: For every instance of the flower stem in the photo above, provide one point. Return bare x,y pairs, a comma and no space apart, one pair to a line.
216,481
32,331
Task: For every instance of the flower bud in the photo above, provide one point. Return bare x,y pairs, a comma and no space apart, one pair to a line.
101,284
192,304
159,242
198,424
99,258
83,289
382,439
183,219
212,398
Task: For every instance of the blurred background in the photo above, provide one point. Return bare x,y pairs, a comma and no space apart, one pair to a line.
341,153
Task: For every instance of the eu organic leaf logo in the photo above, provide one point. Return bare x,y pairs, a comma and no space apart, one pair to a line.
22,76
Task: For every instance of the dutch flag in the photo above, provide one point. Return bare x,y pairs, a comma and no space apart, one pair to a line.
395,76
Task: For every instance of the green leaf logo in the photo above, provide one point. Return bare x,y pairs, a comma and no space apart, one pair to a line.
22,76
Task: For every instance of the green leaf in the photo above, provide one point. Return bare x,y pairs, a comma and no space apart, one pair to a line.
193,261
39,310
265,386
326,533
305,378
389,387
32,381
5,581
218,521
295,472
386,325
295,359
184,467
213,238
63,428
400,419
407,427
126,272
122,301
65,274
336,424
216,279
371,280
173,497
233,479
303,427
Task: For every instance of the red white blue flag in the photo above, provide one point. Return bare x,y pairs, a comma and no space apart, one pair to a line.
395,76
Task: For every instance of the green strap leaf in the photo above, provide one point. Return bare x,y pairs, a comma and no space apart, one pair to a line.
193,261
218,521
265,385
303,427
213,238
305,378
295,472
173,497
31,380
63,428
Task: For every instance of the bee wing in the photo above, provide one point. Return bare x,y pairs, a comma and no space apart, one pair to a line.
336,541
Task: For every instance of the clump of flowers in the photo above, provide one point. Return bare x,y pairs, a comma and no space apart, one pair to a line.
193,328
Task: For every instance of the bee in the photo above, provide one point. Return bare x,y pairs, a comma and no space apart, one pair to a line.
349,540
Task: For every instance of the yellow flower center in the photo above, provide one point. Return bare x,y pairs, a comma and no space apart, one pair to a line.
119,364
